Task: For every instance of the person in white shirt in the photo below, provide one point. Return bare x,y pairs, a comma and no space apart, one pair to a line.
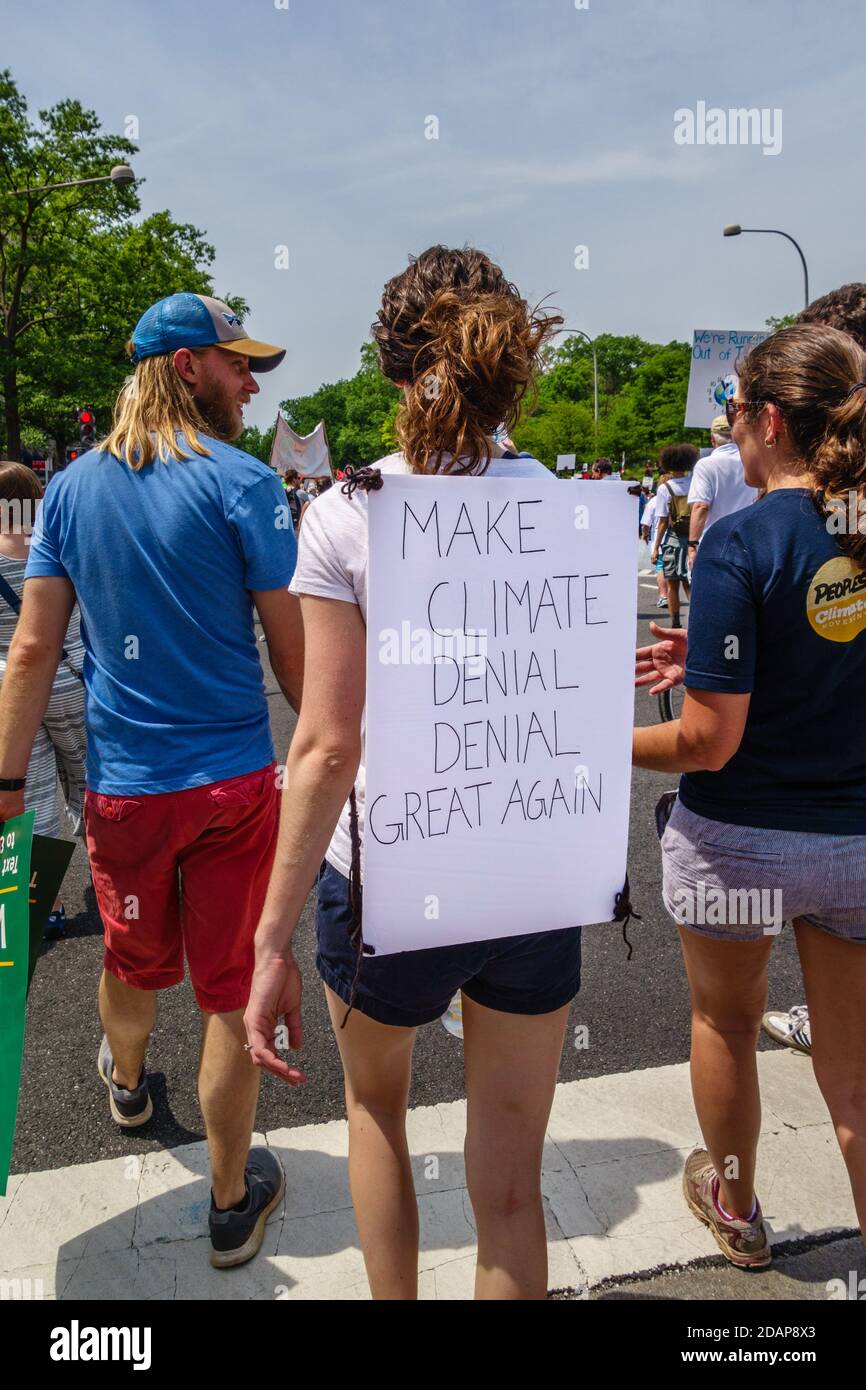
451,318
672,511
649,528
718,486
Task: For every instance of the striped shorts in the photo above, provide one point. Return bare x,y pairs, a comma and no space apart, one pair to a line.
741,883
59,753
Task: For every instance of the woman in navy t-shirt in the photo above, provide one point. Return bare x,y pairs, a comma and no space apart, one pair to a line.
770,822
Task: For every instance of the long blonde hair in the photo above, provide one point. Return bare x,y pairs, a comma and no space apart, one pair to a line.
153,407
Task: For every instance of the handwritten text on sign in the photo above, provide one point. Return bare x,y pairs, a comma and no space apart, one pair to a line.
500,632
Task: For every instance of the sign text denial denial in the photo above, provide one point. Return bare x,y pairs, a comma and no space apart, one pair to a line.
500,699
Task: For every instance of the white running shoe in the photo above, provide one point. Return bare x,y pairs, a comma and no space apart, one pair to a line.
791,1028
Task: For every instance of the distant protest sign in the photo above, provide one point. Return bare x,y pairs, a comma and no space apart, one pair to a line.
306,454
500,700
716,353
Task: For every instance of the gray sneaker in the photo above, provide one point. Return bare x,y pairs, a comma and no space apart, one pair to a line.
129,1109
236,1235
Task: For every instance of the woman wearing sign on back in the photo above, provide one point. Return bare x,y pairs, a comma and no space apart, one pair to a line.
463,345
770,822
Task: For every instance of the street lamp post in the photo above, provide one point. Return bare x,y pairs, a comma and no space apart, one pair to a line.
120,174
580,333
734,229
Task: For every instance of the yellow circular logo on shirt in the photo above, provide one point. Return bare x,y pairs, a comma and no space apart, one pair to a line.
836,606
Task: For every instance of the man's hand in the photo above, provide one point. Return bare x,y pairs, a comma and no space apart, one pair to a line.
664,662
11,804
275,994
654,555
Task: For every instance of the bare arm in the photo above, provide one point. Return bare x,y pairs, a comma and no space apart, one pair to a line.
663,526
322,762
320,773
280,615
703,739
697,521
34,656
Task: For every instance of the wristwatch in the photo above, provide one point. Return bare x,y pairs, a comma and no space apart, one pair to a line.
12,784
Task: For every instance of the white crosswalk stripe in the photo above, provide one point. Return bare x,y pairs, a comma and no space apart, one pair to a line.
136,1227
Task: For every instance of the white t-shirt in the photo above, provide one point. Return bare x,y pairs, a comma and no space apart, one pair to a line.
649,518
679,487
332,563
718,481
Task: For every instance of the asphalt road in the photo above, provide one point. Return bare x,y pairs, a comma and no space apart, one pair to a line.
636,1011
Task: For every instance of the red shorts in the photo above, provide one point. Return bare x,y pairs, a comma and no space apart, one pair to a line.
187,871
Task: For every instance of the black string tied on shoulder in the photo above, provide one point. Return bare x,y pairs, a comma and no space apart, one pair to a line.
367,479
623,912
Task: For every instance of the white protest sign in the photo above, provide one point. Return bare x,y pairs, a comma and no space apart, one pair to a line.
307,454
566,463
500,701
713,374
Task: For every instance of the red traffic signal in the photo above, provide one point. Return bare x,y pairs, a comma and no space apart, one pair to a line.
86,426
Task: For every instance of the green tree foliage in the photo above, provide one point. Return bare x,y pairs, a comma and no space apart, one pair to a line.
358,413
76,271
642,399
642,396
256,442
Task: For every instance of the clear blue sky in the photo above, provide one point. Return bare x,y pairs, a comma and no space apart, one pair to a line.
306,127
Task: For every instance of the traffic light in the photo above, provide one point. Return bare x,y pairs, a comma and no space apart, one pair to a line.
71,453
86,428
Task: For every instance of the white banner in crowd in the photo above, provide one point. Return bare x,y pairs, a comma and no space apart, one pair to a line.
308,454
713,374
500,703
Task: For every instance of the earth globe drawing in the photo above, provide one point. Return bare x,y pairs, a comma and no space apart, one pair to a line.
724,390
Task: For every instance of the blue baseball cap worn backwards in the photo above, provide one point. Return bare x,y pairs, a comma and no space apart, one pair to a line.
196,320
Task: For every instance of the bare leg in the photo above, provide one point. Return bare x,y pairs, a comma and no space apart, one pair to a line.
512,1061
834,972
728,982
377,1065
228,1088
128,1016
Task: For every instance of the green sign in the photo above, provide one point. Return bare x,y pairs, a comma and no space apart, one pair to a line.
31,871
16,837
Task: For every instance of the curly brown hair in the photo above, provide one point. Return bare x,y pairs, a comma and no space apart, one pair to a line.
808,371
844,309
466,345
678,458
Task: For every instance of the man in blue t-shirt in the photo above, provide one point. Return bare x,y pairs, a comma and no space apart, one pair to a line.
171,541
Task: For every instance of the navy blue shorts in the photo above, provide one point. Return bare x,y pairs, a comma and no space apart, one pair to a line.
532,974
